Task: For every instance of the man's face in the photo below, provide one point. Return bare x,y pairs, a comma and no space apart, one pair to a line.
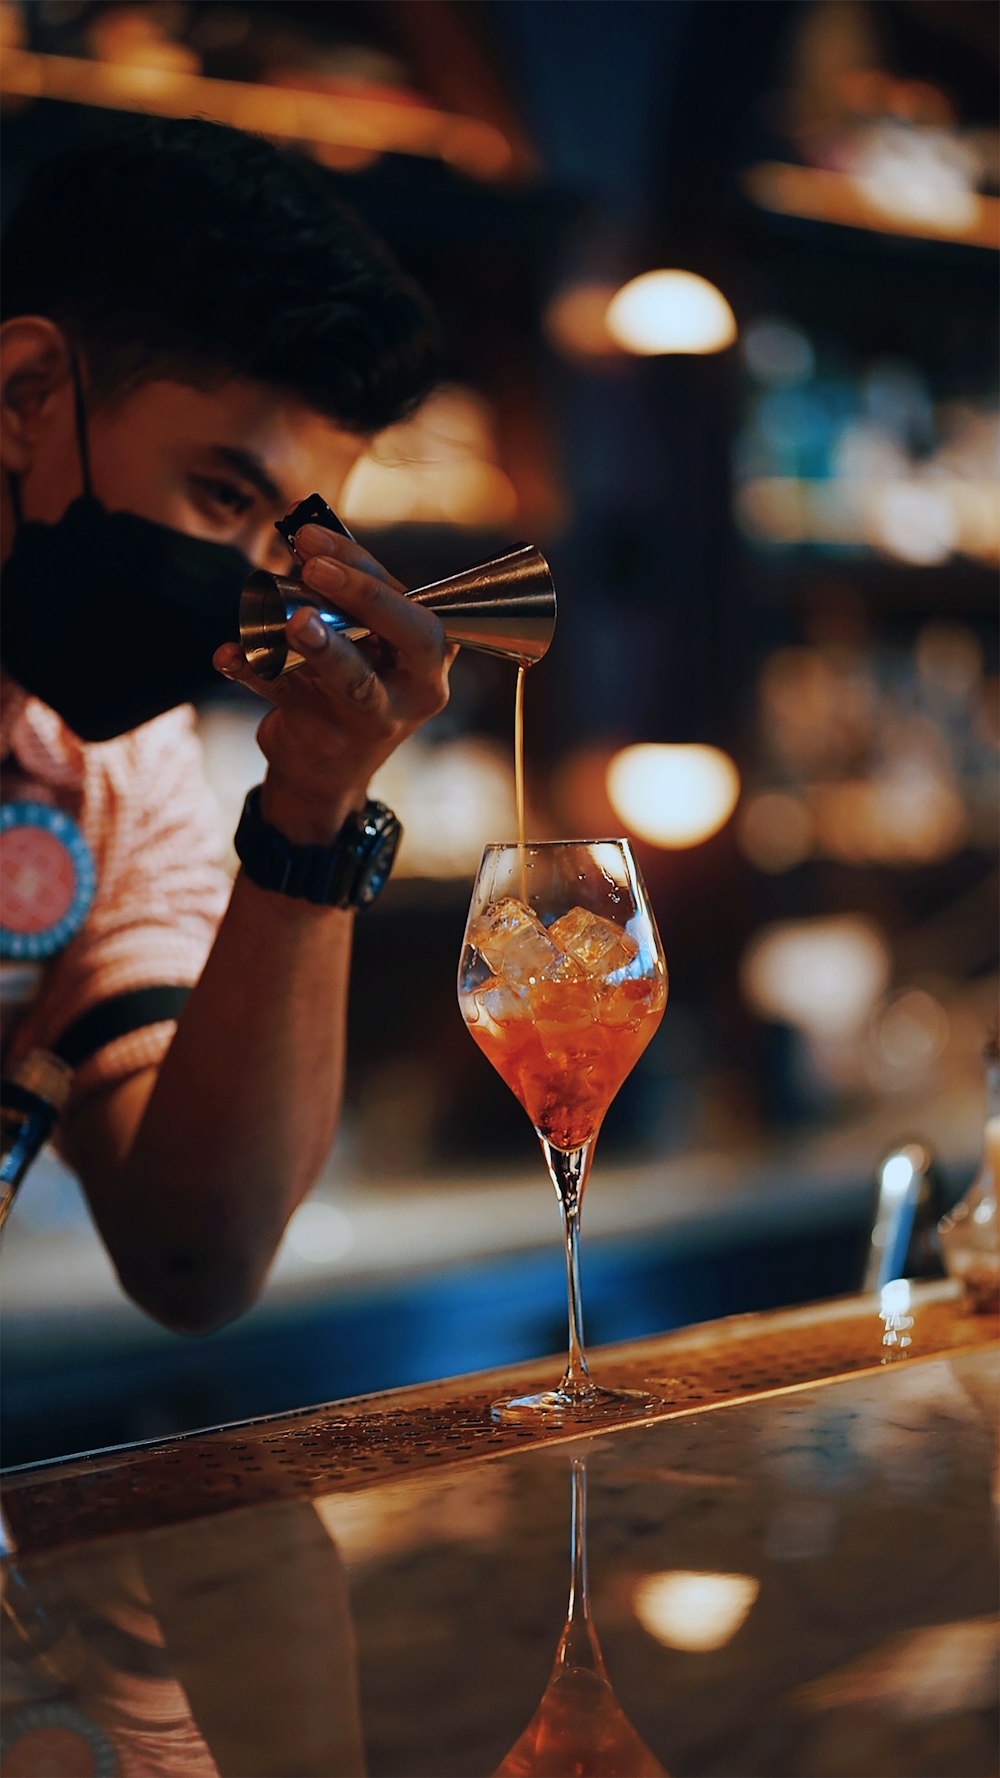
222,465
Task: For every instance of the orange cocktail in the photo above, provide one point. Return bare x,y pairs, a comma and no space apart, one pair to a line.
563,1022
579,1726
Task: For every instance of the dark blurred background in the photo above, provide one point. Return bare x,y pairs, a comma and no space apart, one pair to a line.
768,492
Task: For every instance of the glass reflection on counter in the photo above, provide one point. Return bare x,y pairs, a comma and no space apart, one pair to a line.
579,1729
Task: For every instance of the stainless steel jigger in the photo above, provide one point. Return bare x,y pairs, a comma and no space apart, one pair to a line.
504,606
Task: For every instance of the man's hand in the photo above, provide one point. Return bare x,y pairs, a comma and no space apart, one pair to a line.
349,706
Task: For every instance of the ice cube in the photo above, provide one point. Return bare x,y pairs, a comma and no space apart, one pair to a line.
515,944
474,971
598,945
500,1002
628,1002
490,1010
565,969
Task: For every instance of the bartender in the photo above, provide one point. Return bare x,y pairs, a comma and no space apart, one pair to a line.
194,336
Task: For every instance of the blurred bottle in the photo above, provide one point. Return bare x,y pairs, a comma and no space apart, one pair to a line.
970,1234
32,1098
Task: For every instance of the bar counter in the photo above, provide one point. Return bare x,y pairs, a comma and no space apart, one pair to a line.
791,1573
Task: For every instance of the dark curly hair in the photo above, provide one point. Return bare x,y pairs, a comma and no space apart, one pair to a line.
178,247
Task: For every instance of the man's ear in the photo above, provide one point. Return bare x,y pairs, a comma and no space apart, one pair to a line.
36,387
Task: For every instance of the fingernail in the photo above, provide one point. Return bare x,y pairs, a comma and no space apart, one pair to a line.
310,634
229,662
321,572
315,537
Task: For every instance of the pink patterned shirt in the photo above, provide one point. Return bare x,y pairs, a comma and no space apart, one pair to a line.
148,816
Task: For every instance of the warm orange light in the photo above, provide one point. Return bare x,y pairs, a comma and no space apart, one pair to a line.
911,1033
827,196
673,796
348,120
670,311
821,975
776,831
922,518
912,814
437,468
576,320
699,1612
452,798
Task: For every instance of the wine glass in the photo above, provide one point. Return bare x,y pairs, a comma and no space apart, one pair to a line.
562,983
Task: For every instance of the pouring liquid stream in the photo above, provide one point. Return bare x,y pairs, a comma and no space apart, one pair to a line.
519,776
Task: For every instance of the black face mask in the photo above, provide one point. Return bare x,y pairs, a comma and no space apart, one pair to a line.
110,618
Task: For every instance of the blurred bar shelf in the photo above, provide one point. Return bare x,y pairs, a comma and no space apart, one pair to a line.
816,194
351,121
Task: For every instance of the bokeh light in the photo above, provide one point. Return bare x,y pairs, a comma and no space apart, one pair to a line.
897,1174
698,1612
673,796
451,799
439,467
580,791
319,1233
821,975
775,831
909,814
778,353
923,178
911,1032
576,320
915,522
949,659
670,311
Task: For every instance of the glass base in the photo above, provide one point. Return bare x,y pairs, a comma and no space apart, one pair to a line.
587,1402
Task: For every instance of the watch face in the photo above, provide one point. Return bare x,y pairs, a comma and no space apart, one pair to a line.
377,867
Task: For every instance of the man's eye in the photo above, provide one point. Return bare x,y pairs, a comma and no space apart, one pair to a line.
221,494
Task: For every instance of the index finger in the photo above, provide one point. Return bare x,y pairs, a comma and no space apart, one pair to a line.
315,540
413,632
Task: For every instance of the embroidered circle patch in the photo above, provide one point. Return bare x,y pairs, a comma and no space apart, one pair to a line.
47,877
55,1737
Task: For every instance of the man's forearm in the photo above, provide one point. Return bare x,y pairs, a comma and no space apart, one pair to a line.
242,1114
192,1178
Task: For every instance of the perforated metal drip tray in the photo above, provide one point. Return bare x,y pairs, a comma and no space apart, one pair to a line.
352,1443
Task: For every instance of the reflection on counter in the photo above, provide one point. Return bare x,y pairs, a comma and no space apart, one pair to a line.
797,1585
225,1652
579,1725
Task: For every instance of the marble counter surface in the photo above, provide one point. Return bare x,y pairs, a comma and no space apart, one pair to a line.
797,1581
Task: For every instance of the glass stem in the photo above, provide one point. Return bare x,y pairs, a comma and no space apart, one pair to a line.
569,1169
578,1645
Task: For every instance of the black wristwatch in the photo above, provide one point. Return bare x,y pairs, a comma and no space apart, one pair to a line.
348,874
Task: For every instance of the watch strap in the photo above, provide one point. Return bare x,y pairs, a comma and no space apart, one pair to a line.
329,876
